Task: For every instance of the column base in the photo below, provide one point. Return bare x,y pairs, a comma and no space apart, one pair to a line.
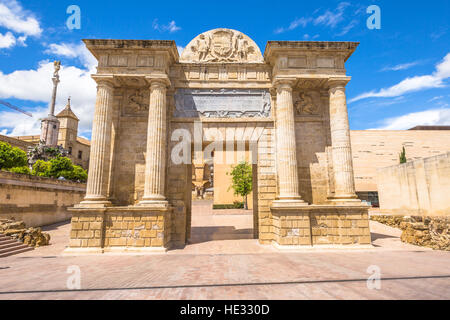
288,203
94,204
154,204
345,200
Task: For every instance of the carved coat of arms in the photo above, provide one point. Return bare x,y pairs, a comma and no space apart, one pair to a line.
222,44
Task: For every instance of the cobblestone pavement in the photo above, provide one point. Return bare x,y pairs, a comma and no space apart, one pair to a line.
223,262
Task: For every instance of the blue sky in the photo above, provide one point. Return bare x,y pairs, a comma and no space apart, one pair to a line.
400,73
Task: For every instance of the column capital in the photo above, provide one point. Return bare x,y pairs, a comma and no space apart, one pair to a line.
107,81
338,82
163,81
285,84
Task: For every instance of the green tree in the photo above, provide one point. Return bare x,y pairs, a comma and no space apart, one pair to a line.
11,157
242,180
402,156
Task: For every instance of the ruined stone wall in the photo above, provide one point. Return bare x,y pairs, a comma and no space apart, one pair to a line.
37,201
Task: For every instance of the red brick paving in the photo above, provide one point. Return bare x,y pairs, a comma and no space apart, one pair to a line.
230,269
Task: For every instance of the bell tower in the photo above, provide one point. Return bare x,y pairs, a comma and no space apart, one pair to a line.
68,127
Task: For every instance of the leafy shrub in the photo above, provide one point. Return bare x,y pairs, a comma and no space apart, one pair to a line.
11,157
21,170
41,168
60,167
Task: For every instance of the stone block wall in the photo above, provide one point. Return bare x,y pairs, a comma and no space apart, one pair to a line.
418,187
267,186
37,201
321,225
312,161
375,149
340,226
115,228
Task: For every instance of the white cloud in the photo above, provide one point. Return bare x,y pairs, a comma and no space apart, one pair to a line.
36,85
417,83
436,98
180,50
171,26
402,66
73,51
14,18
330,18
348,27
7,40
423,118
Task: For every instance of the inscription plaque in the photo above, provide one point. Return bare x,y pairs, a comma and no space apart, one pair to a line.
223,103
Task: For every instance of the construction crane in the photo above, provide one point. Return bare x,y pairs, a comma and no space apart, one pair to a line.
9,105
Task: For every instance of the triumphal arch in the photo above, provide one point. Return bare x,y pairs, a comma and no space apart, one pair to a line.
156,111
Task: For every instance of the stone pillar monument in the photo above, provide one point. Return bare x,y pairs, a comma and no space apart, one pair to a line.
97,185
344,183
156,155
50,125
288,189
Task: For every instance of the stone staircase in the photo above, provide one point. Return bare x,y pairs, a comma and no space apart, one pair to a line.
10,246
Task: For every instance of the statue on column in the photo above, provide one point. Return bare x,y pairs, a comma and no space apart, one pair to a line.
57,65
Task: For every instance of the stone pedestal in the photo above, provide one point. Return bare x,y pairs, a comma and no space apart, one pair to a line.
49,131
321,225
120,229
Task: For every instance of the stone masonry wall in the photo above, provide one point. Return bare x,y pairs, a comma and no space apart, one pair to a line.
120,228
37,201
374,149
267,185
418,187
322,226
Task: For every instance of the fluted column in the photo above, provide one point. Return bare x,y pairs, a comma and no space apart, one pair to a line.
344,183
96,192
156,156
286,145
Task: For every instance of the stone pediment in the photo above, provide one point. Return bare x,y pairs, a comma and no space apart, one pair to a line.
222,46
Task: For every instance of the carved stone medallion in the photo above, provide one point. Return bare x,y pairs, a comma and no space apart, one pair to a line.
137,101
222,45
306,104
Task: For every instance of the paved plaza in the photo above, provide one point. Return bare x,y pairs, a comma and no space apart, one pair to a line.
224,262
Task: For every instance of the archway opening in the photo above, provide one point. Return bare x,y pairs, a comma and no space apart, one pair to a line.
216,212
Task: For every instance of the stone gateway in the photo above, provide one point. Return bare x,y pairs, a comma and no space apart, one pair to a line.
289,104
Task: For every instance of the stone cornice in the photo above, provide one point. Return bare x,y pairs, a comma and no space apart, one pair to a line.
275,47
94,45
